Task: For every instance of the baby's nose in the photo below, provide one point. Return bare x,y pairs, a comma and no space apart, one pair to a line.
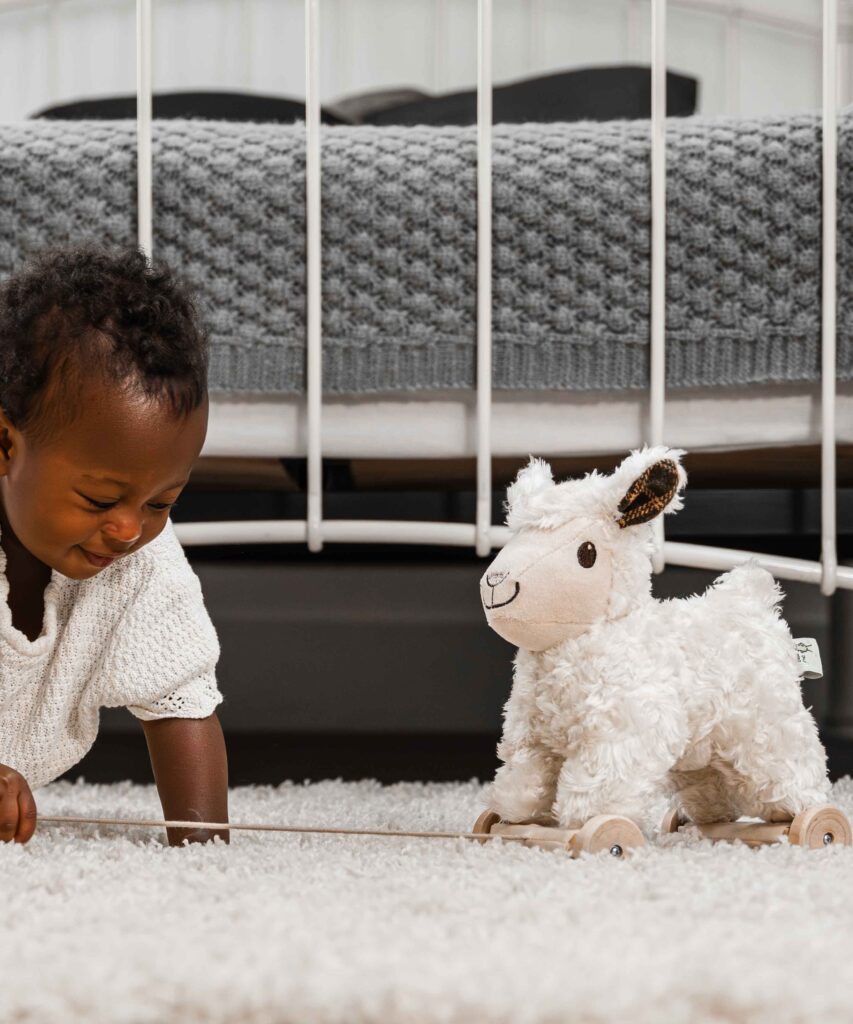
124,530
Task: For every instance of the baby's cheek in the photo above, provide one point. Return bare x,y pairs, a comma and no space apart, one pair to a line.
151,530
67,528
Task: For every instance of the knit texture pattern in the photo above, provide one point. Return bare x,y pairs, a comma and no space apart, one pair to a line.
571,268
137,635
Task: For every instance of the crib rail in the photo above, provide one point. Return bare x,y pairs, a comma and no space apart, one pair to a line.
657,309
482,535
483,543
313,276
829,557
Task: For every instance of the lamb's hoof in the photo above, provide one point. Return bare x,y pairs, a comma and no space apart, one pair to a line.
608,832
672,821
483,824
824,825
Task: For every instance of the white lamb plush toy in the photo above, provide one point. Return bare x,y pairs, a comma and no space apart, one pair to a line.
620,700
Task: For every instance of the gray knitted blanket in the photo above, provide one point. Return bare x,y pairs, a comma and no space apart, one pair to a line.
571,246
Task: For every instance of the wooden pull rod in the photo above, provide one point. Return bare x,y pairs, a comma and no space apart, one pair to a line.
254,827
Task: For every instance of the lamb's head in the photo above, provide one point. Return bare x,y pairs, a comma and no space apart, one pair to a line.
581,550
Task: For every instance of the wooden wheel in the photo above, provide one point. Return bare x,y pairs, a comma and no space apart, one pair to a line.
672,821
824,825
483,824
608,832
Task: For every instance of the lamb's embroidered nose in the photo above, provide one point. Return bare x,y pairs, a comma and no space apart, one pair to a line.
493,600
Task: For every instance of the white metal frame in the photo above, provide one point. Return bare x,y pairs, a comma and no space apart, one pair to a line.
482,535
484,277
313,275
657,335
144,104
829,558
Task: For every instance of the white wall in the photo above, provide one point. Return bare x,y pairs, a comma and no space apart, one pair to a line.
764,58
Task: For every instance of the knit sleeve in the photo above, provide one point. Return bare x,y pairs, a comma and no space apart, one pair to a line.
163,663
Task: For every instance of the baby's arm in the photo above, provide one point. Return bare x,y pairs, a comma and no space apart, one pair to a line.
161,666
191,771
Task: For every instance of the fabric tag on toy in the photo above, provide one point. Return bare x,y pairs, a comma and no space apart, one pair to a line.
809,657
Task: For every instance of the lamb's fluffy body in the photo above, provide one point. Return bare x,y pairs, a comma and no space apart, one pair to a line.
698,698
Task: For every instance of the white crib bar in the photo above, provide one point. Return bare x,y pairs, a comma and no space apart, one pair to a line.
829,557
342,531
732,59
313,271
657,349
701,556
438,49
377,531
481,534
484,277
53,51
144,181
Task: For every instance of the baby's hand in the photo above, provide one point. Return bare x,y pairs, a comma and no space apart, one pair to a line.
17,807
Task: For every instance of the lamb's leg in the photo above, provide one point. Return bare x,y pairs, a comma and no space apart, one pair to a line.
524,786
626,777
785,773
708,794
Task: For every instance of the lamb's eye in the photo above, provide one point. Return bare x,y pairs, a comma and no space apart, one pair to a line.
586,554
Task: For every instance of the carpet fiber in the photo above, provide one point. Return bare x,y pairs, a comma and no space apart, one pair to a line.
101,925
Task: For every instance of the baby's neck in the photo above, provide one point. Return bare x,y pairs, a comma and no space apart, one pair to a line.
28,579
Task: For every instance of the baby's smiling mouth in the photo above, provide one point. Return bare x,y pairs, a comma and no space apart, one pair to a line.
101,561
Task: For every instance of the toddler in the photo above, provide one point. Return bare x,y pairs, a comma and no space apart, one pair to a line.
103,411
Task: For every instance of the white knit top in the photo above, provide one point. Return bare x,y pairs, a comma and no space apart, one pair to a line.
137,635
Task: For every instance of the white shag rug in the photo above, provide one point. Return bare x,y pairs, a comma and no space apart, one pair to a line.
106,926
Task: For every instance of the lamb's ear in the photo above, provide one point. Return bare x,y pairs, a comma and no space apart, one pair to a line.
657,478
535,478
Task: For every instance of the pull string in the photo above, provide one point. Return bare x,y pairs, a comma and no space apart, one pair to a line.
293,829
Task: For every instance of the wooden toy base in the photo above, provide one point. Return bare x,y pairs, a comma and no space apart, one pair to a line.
605,832
815,827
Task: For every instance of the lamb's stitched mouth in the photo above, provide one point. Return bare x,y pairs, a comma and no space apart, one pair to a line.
500,604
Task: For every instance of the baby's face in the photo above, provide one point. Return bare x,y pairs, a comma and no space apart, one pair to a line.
102,488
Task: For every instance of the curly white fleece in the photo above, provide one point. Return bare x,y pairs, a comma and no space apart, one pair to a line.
695,698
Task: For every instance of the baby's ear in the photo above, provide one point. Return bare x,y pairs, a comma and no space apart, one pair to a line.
649,482
535,478
7,443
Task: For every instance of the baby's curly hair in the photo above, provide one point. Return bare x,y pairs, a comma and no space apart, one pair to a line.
77,311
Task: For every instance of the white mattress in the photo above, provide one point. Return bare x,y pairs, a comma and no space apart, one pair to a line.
443,425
